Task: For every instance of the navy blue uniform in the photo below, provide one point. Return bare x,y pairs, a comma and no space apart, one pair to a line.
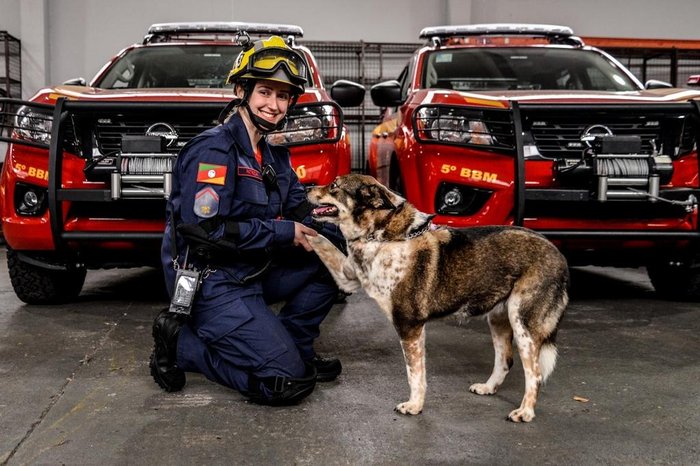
232,332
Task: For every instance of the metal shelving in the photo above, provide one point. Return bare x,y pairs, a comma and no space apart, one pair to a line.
10,66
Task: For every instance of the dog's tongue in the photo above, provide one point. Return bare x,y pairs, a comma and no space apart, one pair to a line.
325,211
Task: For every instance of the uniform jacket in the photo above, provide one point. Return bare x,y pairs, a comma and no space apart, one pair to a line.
217,177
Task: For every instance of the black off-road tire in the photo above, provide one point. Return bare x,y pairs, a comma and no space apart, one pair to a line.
37,285
675,281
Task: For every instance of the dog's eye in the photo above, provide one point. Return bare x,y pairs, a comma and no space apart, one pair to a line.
333,186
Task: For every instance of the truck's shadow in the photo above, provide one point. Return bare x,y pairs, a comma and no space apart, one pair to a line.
145,284
588,283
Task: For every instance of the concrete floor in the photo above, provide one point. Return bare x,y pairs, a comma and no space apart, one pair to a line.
75,388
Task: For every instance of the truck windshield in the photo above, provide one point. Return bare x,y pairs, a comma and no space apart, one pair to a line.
524,68
170,65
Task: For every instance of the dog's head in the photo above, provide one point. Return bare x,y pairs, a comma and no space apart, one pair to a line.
363,207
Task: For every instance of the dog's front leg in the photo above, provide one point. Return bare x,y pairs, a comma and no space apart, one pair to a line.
413,345
336,262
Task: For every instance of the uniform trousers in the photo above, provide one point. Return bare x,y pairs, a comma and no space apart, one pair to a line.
235,333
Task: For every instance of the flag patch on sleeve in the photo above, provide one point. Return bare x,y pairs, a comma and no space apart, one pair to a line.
212,174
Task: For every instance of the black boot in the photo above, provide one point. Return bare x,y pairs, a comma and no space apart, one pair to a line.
328,369
279,390
163,363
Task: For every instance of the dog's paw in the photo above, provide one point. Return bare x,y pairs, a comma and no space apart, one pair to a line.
315,240
482,389
408,408
521,415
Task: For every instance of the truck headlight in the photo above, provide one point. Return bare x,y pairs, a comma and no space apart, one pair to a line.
33,125
310,124
452,125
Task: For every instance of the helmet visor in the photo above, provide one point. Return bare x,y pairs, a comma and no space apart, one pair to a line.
269,60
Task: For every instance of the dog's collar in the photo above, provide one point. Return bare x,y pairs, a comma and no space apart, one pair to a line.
419,230
416,232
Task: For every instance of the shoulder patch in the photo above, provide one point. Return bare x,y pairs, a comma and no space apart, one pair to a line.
206,203
212,174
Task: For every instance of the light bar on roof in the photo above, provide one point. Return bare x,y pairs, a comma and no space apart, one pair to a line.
211,27
496,29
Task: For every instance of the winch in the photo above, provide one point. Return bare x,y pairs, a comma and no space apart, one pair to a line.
142,169
613,167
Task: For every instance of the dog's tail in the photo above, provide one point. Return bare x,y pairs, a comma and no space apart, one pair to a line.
548,358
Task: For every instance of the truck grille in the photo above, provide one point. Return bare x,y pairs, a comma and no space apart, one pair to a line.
563,139
557,133
109,132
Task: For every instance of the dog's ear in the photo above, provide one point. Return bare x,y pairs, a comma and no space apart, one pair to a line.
375,197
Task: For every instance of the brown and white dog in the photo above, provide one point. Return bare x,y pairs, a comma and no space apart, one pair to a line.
514,276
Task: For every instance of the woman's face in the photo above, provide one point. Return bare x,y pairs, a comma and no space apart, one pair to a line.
269,100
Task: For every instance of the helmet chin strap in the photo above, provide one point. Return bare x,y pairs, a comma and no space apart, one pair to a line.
261,124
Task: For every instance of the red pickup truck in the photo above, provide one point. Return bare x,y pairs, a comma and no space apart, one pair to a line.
523,124
88,167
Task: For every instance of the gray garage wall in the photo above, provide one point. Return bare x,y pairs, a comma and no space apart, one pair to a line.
62,39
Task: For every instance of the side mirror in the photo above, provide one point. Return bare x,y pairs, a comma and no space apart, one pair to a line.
656,84
347,93
694,80
386,94
75,82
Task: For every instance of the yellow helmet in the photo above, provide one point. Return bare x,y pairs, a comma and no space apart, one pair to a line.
270,59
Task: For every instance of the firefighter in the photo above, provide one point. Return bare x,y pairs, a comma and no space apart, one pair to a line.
235,242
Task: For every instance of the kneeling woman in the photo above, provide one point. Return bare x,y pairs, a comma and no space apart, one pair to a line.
238,216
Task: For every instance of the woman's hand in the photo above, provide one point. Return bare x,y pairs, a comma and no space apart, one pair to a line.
300,234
